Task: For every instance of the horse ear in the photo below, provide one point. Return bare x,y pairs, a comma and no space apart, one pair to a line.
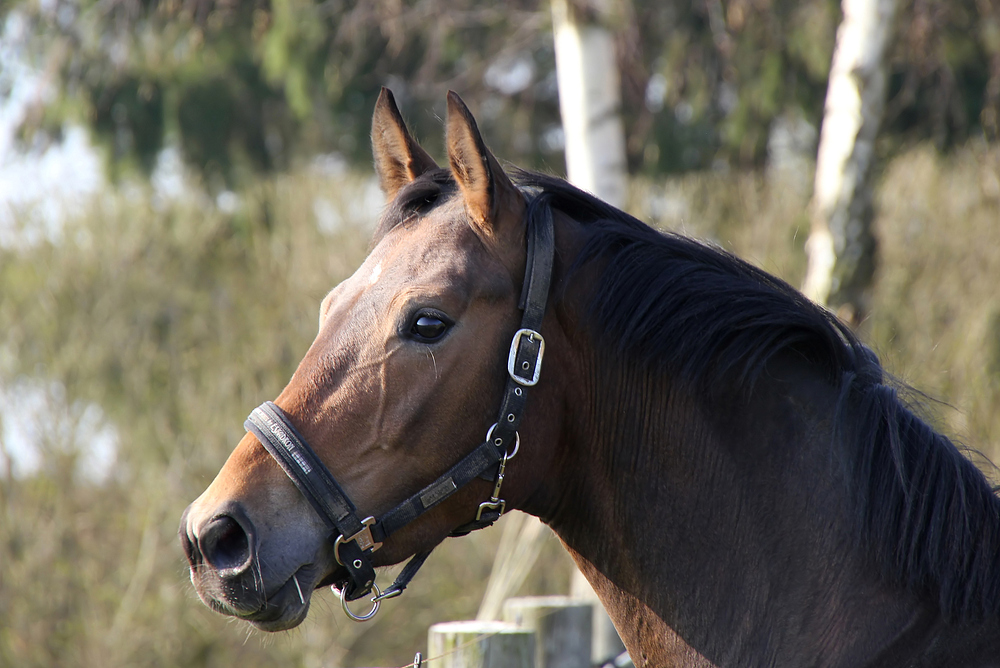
485,187
398,157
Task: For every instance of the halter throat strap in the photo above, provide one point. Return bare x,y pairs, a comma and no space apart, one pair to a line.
354,538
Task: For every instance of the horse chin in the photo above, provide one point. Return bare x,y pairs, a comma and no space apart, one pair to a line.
284,608
275,617
289,619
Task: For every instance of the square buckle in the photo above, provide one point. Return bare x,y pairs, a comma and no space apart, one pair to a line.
363,537
515,345
500,505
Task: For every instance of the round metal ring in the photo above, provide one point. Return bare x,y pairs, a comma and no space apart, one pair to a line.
517,441
376,602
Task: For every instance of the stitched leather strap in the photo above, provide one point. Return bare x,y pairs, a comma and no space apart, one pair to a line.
284,443
527,354
483,458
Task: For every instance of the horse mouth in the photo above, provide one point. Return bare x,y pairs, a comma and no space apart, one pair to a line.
283,609
289,605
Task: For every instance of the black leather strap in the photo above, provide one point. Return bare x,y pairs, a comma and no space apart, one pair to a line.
405,575
484,458
284,443
527,355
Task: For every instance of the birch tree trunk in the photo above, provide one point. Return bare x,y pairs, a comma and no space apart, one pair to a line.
590,98
841,247
590,106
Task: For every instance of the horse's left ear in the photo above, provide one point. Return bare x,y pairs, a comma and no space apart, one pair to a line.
490,197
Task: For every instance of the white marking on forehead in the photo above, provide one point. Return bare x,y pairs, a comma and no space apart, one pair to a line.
376,272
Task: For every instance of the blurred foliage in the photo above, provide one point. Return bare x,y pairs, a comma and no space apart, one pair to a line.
253,87
248,87
938,321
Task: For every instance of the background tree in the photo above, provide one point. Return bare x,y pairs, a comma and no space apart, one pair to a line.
841,245
254,87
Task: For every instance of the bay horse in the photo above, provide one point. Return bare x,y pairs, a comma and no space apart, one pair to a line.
728,465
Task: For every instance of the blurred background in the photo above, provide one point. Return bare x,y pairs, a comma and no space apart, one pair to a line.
182,181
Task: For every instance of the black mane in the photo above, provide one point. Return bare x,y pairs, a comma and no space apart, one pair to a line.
930,518
700,311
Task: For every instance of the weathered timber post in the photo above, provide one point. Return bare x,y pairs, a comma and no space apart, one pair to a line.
481,645
562,627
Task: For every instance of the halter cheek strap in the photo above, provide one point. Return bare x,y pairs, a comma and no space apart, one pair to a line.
357,538
284,443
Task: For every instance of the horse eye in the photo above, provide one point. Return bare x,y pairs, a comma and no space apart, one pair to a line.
429,327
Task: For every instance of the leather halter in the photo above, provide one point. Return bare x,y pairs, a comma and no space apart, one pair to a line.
357,538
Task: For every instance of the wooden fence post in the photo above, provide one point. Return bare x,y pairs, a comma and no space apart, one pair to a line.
481,645
562,627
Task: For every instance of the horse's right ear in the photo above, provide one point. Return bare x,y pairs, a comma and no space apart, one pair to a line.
398,157
490,197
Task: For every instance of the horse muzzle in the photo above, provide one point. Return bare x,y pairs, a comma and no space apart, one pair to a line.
222,549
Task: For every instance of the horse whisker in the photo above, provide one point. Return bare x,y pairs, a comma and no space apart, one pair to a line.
298,589
434,360
259,573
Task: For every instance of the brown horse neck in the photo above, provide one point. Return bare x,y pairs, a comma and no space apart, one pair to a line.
716,528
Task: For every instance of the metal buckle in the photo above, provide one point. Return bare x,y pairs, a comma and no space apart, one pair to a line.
515,344
490,505
389,593
363,537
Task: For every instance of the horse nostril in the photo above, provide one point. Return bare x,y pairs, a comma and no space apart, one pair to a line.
187,542
224,543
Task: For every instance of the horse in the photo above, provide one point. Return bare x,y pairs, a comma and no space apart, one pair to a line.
729,466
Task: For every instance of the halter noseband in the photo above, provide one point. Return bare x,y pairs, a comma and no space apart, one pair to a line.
358,538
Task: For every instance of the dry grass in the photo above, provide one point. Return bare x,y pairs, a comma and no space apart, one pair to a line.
937,295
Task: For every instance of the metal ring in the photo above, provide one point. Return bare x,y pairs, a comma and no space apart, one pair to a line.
517,441
376,602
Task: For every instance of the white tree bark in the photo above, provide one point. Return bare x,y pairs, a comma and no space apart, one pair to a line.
590,99
841,246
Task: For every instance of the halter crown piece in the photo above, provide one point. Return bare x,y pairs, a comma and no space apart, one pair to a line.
357,538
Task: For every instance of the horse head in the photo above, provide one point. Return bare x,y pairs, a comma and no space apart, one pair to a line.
403,380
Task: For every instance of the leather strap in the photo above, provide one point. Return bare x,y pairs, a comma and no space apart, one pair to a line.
284,443
483,458
405,575
527,351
